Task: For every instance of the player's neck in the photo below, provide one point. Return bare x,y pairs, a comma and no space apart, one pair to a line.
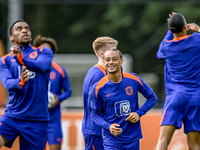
180,34
115,77
21,45
100,62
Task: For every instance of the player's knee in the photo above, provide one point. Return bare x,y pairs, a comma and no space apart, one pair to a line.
55,147
193,139
193,146
3,141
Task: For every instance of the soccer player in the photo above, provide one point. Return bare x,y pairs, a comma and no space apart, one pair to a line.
181,53
25,75
61,88
91,131
115,107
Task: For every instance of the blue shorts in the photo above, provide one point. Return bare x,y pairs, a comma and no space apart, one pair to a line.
54,132
182,108
32,134
93,142
122,146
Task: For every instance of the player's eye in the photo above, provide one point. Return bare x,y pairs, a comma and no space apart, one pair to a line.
107,59
19,28
27,28
115,59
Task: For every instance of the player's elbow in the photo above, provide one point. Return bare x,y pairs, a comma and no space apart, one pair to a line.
154,98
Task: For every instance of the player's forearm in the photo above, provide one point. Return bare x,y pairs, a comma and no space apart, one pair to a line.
64,95
150,102
12,84
40,64
96,116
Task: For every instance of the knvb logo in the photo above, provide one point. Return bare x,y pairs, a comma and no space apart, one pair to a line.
52,75
33,54
129,90
31,74
122,108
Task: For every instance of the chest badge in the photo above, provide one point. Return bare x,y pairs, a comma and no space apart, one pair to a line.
52,75
129,90
33,54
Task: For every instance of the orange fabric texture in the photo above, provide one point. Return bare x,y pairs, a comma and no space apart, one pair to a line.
58,68
22,83
131,76
4,57
179,38
20,59
103,81
101,68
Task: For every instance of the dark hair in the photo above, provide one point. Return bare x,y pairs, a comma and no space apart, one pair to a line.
20,20
120,53
176,23
41,39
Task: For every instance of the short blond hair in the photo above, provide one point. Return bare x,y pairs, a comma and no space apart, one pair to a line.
101,42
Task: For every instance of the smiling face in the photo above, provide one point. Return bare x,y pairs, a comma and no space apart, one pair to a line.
112,61
21,34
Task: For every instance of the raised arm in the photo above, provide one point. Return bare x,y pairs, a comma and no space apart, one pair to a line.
7,79
39,60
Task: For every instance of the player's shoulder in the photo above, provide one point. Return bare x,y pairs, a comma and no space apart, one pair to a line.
195,35
59,69
102,82
5,58
133,76
129,74
94,74
42,49
97,69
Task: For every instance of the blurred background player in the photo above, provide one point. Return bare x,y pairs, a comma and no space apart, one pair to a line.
181,53
25,75
116,108
92,131
61,89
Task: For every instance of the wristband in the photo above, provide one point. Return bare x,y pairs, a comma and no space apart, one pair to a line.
199,30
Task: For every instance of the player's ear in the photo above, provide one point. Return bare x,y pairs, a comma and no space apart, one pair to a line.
101,54
122,61
11,38
185,26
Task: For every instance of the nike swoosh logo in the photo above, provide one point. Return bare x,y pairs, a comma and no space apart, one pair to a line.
109,95
12,60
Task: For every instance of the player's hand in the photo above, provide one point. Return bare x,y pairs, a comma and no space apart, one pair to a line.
171,15
193,26
56,101
24,74
114,129
133,117
15,49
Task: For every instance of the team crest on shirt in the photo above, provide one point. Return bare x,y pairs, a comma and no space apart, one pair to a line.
31,74
33,54
52,75
122,108
129,90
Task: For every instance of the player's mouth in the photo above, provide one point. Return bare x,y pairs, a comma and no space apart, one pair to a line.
111,67
25,36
